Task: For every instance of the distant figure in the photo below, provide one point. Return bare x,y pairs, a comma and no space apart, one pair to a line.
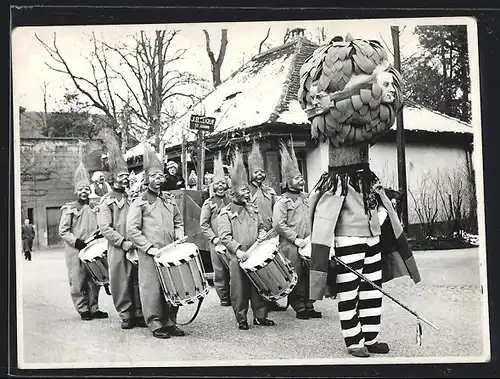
28,235
99,186
192,180
173,180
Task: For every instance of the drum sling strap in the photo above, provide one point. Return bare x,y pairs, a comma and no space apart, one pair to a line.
200,301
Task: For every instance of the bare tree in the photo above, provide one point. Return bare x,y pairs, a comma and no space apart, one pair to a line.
426,204
216,64
262,43
156,81
97,90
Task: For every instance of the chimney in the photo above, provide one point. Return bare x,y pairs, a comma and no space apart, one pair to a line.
294,33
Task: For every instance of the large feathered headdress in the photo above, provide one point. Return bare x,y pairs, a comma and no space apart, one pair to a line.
151,161
81,178
340,90
239,176
289,165
255,159
218,169
116,163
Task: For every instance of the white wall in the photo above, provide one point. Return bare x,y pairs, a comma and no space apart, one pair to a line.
423,162
317,164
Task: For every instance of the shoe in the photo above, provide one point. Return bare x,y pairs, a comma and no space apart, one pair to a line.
378,348
99,314
225,303
302,315
140,322
314,314
275,307
175,331
361,352
127,324
263,322
243,325
85,316
161,333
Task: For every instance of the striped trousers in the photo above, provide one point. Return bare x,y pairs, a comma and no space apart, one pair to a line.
359,304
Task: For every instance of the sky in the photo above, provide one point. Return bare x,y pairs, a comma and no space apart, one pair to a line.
30,59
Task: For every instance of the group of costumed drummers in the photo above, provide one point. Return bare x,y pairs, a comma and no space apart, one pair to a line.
239,213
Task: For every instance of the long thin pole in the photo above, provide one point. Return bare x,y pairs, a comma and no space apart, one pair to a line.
400,138
362,277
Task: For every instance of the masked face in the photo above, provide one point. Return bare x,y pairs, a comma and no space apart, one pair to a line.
242,194
156,179
83,193
220,188
297,183
121,180
386,81
258,176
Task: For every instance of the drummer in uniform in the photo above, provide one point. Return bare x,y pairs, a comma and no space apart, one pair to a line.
262,196
208,223
240,226
154,221
77,224
112,218
291,222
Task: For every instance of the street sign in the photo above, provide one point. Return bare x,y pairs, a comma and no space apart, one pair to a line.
202,123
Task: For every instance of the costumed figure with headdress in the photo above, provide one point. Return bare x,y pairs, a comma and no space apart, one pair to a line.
291,222
262,196
352,94
78,223
208,224
239,226
112,220
154,221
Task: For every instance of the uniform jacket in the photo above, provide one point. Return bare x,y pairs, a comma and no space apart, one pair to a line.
77,221
154,221
264,197
324,211
291,220
208,217
112,218
239,226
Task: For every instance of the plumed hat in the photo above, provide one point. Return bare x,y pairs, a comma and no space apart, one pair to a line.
255,159
151,161
289,165
116,163
81,178
239,176
218,169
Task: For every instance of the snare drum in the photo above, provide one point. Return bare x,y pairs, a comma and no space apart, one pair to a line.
269,271
305,253
181,274
95,259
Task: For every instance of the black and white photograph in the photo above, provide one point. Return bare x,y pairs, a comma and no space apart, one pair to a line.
249,193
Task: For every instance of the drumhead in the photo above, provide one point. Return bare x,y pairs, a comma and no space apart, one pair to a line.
94,249
264,251
172,256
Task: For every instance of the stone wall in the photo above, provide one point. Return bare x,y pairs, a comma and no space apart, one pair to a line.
47,166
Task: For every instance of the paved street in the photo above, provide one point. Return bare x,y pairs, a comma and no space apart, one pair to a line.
449,296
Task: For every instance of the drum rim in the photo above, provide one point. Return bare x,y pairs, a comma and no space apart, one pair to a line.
177,262
272,256
86,249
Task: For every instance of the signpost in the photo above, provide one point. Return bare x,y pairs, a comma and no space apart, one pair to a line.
202,124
